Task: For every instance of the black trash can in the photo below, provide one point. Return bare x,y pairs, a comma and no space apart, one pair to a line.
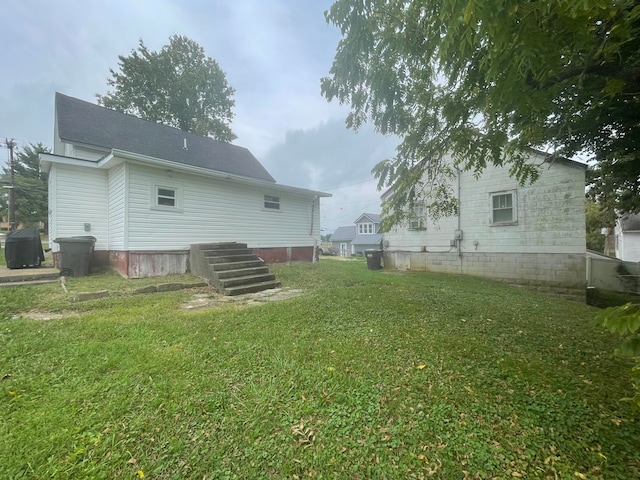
374,259
75,255
23,249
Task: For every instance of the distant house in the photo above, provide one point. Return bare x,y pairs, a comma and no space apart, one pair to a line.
147,192
532,235
368,235
341,240
355,239
627,238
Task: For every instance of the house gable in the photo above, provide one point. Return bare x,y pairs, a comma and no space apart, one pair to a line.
95,129
150,191
627,238
367,224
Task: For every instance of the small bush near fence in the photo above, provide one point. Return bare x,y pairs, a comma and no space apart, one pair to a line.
597,297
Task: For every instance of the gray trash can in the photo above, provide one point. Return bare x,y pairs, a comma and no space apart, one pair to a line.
374,259
75,255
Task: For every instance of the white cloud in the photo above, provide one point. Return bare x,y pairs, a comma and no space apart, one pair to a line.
274,53
331,158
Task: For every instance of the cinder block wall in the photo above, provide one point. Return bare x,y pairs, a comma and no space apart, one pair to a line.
556,273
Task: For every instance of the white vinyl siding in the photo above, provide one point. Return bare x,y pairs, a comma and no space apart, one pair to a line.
117,207
627,246
214,211
87,153
53,231
81,197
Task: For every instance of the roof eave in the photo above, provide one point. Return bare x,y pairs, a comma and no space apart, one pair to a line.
46,159
206,172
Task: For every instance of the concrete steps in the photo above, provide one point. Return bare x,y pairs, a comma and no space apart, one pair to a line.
230,267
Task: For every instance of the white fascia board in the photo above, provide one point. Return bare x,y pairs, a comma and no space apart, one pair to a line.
107,162
46,159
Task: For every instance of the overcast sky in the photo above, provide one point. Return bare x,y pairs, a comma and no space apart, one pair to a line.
274,53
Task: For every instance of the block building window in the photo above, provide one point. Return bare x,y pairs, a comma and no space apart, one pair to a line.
503,208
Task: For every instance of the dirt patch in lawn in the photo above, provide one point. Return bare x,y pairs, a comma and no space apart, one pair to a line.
44,316
211,300
202,298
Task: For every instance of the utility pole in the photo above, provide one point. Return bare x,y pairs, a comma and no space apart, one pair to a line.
11,144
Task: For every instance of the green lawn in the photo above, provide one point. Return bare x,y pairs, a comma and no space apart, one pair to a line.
367,375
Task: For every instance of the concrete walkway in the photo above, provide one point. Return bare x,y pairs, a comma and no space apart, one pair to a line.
45,273
28,276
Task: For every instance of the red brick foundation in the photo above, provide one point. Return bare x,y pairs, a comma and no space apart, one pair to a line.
119,261
99,258
142,264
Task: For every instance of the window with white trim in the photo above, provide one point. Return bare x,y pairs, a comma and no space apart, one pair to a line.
165,197
503,208
272,202
365,229
418,219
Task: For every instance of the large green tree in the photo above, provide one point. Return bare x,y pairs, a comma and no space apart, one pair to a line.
484,81
598,217
178,86
30,186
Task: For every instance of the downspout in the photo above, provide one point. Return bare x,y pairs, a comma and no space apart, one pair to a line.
315,240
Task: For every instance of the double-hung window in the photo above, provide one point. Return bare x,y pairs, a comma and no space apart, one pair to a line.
271,202
417,219
503,207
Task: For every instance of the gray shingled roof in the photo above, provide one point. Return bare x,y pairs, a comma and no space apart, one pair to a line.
344,234
368,239
85,123
630,222
374,217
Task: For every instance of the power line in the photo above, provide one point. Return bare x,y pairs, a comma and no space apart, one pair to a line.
354,212
339,205
350,185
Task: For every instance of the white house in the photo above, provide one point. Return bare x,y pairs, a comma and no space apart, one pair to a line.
627,238
531,235
146,192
